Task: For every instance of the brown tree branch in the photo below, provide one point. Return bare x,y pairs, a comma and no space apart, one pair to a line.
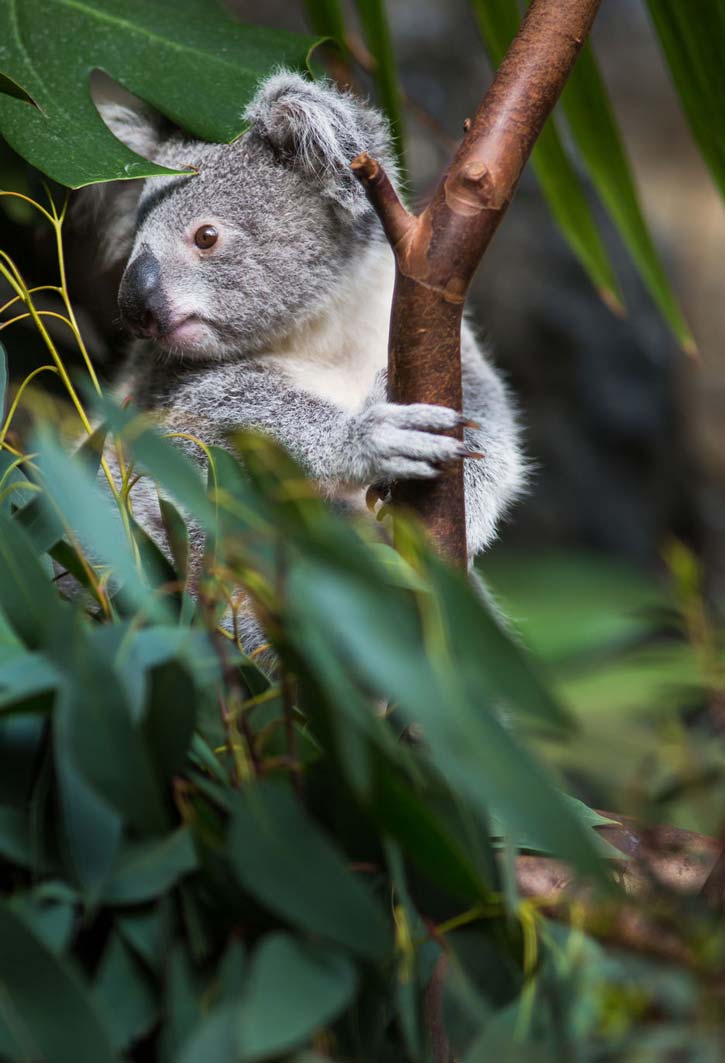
662,861
438,252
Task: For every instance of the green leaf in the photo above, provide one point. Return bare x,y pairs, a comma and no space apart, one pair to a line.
27,598
16,840
409,818
285,861
498,21
182,1005
165,462
169,718
148,869
152,48
177,536
147,929
692,40
124,993
374,20
378,637
49,910
37,988
294,988
94,731
15,488
72,493
595,130
25,676
90,829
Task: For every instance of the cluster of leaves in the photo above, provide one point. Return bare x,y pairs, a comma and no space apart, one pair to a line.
224,866
204,863
199,861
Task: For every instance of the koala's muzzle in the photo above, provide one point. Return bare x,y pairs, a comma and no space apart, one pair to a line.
141,298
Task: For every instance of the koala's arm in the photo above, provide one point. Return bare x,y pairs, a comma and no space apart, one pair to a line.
497,480
382,441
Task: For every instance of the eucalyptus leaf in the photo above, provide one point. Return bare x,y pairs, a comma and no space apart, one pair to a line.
37,987
147,869
283,858
295,987
125,994
154,48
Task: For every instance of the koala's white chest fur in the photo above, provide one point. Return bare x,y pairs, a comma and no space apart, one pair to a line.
337,355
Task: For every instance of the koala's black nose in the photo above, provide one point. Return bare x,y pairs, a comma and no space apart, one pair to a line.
141,298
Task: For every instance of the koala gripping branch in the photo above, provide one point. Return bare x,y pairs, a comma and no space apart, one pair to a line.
438,251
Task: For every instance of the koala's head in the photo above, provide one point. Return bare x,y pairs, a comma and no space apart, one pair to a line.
261,237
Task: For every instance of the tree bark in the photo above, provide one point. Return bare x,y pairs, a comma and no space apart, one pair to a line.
438,251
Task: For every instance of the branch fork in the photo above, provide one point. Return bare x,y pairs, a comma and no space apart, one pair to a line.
438,251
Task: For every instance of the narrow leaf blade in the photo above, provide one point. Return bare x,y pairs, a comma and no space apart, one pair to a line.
595,130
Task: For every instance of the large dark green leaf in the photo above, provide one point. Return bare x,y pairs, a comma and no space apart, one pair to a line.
16,840
294,988
692,38
44,1001
90,829
148,869
124,993
408,817
292,868
95,734
27,597
147,929
50,911
155,48
473,749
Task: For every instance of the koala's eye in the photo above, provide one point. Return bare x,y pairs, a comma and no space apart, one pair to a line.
206,237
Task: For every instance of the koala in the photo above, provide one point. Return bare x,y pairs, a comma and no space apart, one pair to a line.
259,292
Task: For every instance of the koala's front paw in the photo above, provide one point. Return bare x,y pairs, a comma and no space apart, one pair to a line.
392,442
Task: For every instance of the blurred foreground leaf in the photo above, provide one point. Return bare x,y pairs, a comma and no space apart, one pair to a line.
38,989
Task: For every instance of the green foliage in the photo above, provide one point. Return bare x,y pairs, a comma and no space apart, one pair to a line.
212,864
692,40
48,49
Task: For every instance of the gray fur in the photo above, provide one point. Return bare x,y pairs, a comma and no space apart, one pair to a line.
291,306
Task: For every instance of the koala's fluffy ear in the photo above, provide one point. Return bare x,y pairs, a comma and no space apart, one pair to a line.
111,207
320,130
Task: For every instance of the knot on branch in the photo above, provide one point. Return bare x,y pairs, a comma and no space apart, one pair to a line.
471,188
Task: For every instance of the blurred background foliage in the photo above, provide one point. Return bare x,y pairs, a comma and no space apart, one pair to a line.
166,896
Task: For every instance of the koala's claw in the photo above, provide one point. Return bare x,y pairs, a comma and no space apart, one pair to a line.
396,442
